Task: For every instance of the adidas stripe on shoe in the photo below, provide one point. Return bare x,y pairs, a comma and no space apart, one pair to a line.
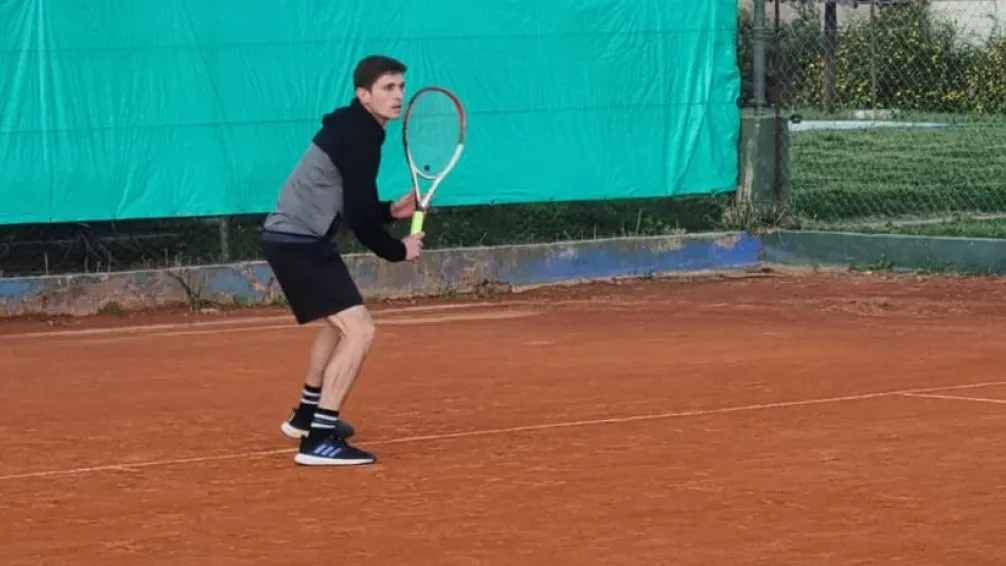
331,450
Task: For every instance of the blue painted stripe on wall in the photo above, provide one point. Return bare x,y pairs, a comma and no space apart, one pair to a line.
601,262
16,288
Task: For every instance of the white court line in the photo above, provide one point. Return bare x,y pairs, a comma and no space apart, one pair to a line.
125,467
392,321
251,321
148,328
955,398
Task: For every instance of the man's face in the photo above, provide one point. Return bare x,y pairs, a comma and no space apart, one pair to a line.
384,99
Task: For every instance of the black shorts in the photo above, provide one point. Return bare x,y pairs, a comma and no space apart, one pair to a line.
313,277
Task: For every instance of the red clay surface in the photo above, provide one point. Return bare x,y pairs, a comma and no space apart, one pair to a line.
800,419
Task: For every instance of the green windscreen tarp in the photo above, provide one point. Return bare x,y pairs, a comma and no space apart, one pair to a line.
118,109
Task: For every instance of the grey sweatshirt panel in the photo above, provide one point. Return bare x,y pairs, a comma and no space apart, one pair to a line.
311,198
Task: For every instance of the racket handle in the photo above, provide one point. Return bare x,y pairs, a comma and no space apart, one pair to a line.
417,222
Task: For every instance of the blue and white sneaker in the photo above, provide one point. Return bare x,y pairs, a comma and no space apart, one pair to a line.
331,450
298,425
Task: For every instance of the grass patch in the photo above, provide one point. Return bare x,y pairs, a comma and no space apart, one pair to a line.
963,227
840,178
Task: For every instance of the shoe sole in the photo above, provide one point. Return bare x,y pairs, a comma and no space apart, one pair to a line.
295,433
292,432
309,460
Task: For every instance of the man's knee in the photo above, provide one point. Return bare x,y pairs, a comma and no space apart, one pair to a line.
356,326
365,331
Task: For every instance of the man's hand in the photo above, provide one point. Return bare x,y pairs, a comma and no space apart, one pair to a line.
404,207
413,246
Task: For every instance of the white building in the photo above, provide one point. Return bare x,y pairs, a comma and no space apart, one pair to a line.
977,19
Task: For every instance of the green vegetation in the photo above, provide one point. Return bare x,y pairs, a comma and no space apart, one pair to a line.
844,177
959,227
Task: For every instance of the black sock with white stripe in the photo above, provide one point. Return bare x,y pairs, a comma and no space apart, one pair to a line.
323,423
309,399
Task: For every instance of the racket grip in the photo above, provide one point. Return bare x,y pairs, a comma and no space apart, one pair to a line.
417,222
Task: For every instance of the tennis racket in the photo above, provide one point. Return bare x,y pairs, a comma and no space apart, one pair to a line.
433,132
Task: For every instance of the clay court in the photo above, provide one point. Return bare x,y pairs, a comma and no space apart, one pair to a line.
754,419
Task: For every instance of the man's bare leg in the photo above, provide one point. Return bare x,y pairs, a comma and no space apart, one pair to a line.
321,352
356,329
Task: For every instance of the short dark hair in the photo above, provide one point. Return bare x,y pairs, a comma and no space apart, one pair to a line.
371,68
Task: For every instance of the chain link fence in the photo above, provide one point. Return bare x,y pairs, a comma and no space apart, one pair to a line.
897,112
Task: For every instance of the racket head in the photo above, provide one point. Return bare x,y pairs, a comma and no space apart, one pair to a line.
433,134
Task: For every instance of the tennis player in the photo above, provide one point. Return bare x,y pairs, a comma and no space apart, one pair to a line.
332,190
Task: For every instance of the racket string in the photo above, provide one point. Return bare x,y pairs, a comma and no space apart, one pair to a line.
432,133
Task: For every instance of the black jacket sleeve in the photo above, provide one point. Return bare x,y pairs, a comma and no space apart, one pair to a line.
363,214
364,210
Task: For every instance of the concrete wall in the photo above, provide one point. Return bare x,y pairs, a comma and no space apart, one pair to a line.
469,269
439,271
846,10
927,254
976,19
